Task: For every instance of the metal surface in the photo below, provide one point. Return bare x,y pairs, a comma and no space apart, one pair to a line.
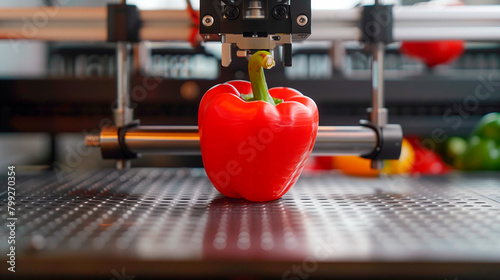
184,140
165,222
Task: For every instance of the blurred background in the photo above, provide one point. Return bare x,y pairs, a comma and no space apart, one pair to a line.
53,94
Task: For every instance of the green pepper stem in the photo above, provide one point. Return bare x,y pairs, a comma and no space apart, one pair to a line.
258,61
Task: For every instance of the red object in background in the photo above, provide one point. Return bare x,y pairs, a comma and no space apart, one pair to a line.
194,36
427,162
322,163
435,52
253,149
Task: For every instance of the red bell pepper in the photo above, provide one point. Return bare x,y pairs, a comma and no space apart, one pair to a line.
255,141
427,162
434,53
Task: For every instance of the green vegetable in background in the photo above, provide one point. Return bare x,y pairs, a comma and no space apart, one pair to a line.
455,147
489,127
483,147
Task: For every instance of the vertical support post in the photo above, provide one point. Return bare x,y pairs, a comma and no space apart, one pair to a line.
123,27
377,27
123,114
378,114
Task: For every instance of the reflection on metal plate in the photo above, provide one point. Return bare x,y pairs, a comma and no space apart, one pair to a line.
176,215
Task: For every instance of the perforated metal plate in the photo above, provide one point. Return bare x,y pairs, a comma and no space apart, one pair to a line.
145,216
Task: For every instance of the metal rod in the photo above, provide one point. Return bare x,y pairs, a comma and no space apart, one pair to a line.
415,23
345,140
378,112
472,23
447,14
88,24
123,114
174,140
473,34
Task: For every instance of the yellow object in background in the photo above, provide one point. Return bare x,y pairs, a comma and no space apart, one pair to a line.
357,166
405,162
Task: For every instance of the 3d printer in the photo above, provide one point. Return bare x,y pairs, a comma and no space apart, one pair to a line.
171,221
250,26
